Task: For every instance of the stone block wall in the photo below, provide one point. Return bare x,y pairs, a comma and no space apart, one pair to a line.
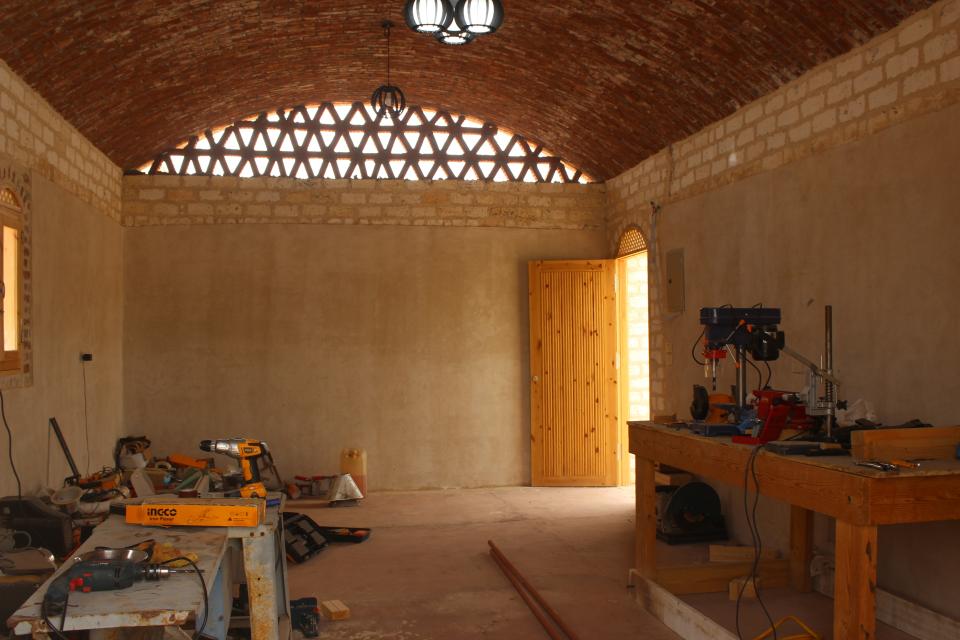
34,135
162,200
908,71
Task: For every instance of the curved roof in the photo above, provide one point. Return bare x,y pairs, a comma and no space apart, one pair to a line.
604,83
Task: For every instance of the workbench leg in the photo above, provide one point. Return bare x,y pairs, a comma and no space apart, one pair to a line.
801,548
854,606
646,525
259,565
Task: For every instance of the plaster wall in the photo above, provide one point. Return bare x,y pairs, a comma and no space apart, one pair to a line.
77,290
870,228
76,250
410,342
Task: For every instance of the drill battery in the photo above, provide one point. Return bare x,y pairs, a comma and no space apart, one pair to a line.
197,512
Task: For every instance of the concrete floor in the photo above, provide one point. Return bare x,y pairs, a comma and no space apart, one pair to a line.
425,572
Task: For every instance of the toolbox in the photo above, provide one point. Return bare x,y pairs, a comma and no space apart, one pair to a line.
302,537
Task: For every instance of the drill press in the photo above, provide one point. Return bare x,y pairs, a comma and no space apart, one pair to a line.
754,330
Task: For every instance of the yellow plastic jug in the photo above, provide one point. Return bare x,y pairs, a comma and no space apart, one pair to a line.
354,462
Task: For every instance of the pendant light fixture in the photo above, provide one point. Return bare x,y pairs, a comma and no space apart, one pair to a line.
388,99
454,22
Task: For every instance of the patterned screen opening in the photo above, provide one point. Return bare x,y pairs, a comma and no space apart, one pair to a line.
632,241
348,140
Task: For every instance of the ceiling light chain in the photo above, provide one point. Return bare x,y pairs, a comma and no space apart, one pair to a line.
454,22
388,99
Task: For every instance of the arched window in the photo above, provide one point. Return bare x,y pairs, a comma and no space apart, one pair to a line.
632,241
634,325
344,140
11,219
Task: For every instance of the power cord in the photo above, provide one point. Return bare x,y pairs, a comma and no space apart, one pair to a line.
58,632
750,470
693,349
3,413
86,426
203,590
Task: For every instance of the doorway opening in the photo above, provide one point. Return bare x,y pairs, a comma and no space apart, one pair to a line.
634,350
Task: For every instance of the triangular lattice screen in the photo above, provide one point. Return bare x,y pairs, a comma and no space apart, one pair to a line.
341,140
632,241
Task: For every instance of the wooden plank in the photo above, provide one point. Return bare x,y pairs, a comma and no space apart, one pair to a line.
745,588
536,376
939,443
681,618
645,559
671,479
715,578
854,606
334,610
734,553
801,548
909,617
901,498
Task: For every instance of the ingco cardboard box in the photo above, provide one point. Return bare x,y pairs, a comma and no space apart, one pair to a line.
197,512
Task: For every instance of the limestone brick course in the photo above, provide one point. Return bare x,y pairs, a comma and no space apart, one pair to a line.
34,135
161,200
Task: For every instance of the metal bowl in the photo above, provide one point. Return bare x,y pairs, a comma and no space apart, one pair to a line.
103,554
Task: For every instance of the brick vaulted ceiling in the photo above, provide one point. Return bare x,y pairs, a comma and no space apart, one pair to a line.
603,83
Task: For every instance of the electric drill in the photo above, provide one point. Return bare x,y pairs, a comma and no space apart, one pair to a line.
100,575
248,452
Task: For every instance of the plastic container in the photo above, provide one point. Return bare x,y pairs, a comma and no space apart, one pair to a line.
354,462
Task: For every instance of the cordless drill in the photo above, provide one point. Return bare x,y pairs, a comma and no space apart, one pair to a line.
100,575
248,452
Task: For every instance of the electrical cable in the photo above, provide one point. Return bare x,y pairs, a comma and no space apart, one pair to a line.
751,515
203,589
693,349
769,374
757,369
86,426
3,413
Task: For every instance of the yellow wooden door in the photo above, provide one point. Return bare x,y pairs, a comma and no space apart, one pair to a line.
573,373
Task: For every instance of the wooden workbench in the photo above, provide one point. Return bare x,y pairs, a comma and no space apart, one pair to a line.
859,498
256,552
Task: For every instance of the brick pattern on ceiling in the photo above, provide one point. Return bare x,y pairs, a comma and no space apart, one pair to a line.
604,83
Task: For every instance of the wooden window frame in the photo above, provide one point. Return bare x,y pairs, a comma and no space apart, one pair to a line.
12,216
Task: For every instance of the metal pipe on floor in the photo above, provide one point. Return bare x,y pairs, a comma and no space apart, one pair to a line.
518,580
544,621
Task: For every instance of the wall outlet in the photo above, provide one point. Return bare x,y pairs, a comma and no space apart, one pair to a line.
86,357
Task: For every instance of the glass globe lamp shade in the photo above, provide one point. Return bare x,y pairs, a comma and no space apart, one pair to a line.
428,16
454,37
479,16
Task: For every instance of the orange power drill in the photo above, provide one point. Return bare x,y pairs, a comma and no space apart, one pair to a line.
248,452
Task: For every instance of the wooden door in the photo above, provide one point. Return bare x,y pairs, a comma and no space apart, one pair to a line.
573,373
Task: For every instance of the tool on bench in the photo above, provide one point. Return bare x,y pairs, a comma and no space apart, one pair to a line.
103,572
753,331
878,465
248,452
102,481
